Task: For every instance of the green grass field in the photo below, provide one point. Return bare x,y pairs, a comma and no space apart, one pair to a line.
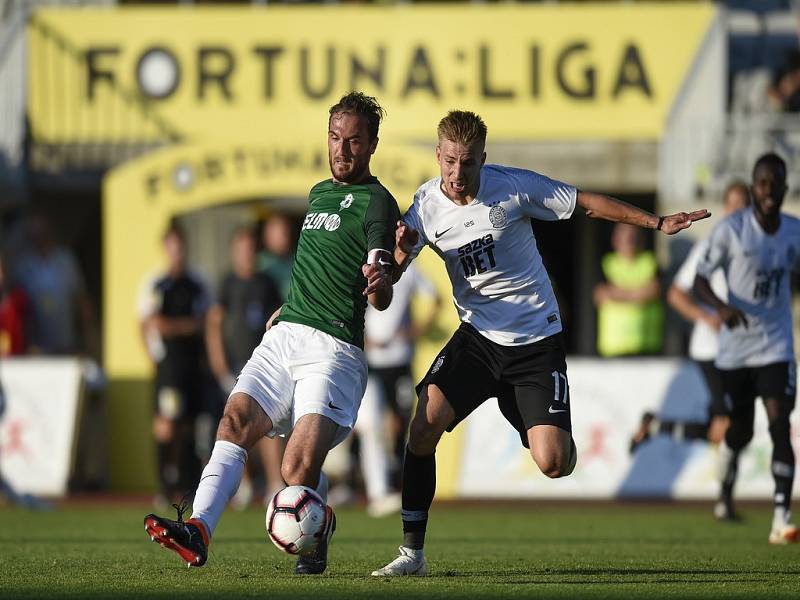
487,551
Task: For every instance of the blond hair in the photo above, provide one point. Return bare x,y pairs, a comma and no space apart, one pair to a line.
462,127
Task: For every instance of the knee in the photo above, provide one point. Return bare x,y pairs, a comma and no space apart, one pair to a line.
163,429
423,436
738,435
233,427
555,464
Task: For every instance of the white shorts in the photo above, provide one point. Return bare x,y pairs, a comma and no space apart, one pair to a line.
298,370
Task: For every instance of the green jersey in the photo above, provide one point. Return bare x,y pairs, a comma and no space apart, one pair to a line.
343,224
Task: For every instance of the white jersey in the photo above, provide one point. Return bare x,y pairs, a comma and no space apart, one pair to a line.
758,269
704,343
388,331
500,285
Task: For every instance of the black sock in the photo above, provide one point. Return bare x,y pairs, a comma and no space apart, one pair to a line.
730,477
419,486
782,462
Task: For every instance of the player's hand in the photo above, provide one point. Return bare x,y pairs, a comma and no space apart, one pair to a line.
679,221
406,237
712,320
732,317
378,277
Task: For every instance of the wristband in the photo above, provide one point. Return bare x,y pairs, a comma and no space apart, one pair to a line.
660,223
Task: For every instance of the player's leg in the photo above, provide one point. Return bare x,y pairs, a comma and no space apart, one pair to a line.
536,401
243,424
330,378
259,404
740,398
718,419
459,380
776,385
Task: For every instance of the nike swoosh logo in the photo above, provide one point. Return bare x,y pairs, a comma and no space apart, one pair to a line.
330,405
554,411
440,234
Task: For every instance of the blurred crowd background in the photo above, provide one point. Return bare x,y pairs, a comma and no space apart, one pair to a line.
113,255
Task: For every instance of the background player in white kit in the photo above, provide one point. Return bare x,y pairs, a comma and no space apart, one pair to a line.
758,248
509,346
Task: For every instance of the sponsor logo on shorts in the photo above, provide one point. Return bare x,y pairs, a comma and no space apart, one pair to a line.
438,364
334,407
554,411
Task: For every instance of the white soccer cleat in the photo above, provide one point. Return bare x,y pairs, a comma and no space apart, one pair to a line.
785,534
410,562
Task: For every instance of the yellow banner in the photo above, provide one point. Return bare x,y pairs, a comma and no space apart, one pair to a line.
270,73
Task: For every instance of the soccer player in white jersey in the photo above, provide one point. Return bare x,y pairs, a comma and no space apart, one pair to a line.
758,248
509,345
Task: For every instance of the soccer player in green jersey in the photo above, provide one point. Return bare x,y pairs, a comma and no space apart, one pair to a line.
308,375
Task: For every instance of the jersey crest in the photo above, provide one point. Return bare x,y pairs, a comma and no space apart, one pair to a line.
498,216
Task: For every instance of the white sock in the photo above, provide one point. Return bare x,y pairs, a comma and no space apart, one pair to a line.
322,487
219,483
780,517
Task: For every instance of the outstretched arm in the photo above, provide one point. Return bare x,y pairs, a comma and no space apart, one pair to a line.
611,209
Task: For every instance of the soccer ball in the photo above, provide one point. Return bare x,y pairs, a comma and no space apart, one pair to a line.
296,519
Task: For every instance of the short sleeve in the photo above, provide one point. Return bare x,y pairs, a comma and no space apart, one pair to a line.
413,218
716,252
381,221
543,198
684,278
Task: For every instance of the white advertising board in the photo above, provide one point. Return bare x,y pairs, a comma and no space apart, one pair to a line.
608,398
37,431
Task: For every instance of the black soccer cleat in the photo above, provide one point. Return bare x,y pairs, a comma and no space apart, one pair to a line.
316,562
188,539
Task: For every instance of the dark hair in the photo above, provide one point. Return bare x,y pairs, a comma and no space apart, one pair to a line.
462,127
770,159
175,229
358,103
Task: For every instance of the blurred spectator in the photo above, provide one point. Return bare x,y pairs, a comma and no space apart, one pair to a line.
704,343
172,310
60,316
630,314
13,306
277,256
234,327
784,92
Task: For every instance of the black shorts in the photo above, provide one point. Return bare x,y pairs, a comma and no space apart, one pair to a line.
529,382
743,386
713,379
398,387
180,398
